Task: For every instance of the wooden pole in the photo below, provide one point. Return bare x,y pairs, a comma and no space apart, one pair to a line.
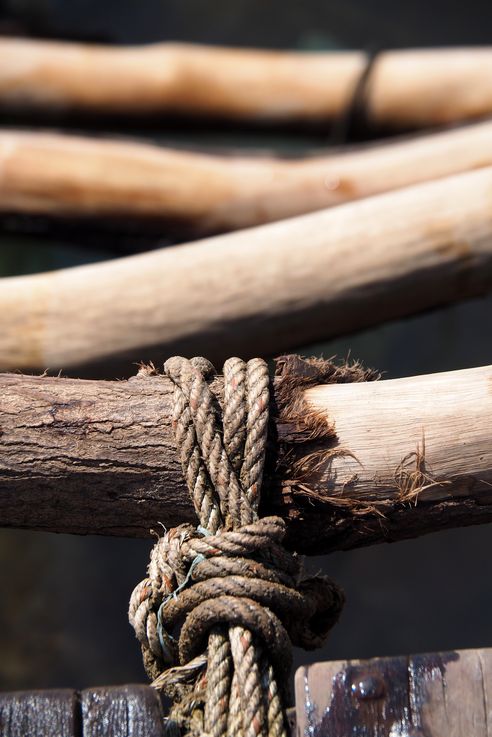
404,457
195,194
406,88
258,291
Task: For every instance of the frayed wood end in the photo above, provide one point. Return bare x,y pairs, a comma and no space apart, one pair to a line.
306,440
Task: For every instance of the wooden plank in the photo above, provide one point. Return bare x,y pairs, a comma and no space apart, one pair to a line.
52,713
434,695
121,711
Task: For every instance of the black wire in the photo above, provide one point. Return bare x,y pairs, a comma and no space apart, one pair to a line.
354,123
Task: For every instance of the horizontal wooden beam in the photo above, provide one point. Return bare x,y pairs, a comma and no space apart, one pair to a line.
130,185
406,457
259,291
405,88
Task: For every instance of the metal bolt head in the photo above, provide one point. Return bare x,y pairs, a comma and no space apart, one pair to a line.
368,687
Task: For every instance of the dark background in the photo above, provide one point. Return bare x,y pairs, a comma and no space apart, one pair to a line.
272,24
63,599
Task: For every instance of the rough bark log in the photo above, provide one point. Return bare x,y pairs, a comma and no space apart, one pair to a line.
392,459
133,185
405,88
259,291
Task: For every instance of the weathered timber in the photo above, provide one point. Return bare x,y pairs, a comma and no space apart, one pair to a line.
109,711
106,711
405,88
39,713
125,185
392,459
258,291
121,711
445,694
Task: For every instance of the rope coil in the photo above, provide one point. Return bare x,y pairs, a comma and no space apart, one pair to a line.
222,603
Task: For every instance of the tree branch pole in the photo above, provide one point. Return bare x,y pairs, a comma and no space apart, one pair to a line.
411,88
192,194
399,458
259,291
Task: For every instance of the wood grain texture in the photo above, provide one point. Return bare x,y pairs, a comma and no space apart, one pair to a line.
409,456
121,711
51,713
126,184
258,291
406,88
438,416
434,695
109,711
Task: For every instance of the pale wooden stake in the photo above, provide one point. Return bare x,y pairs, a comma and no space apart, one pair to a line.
259,291
406,88
196,194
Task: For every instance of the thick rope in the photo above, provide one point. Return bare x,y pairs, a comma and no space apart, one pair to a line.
223,603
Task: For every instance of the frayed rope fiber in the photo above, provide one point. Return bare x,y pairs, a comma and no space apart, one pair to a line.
223,603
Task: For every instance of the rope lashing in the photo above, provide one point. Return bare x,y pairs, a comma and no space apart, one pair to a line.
222,603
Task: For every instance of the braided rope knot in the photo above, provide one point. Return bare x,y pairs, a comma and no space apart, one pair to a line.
222,603
242,577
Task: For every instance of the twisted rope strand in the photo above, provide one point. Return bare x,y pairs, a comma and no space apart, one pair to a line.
221,604
257,398
235,716
246,663
194,470
219,676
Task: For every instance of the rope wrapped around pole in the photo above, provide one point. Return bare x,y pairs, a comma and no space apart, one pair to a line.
223,603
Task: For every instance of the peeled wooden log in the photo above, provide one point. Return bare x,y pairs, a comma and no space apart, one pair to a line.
258,291
357,463
126,183
406,88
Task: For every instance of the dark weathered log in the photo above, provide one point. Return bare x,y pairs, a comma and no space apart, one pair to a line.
39,713
108,711
121,711
403,457
431,695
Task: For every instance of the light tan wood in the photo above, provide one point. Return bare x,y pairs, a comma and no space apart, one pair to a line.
259,291
433,427
407,88
196,193
447,694
99,457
